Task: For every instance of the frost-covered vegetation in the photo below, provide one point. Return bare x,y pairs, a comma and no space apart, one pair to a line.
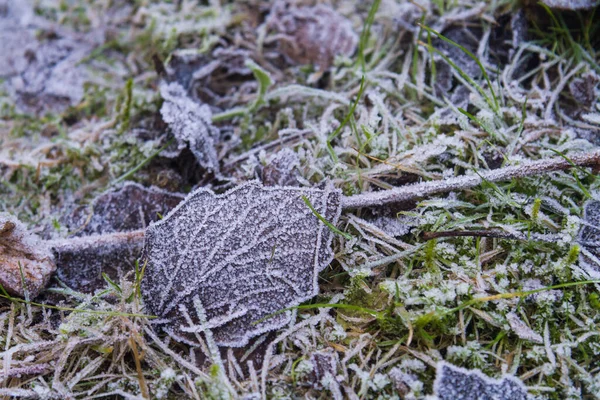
490,282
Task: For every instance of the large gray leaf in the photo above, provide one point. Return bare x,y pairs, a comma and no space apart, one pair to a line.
237,258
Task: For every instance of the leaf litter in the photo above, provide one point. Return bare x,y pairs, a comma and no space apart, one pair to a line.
391,306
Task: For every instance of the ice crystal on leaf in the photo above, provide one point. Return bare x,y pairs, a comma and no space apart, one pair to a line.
244,254
455,383
191,124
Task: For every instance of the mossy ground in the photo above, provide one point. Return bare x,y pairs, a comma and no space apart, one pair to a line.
388,301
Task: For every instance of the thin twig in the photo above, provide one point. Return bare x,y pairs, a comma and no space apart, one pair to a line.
421,190
492,234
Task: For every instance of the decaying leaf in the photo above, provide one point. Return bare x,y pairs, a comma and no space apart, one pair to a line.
129,208
453,383
26,262
224,262
312,35
191,124
521,329
43,72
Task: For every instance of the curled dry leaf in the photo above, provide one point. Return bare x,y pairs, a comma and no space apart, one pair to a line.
127,209
191,124
453,383
225,262
312,35
26,262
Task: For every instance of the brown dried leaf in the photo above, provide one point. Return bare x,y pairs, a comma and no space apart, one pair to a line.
26,263
221,263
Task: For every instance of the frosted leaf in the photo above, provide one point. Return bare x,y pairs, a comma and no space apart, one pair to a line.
191,123
281,169
583,89
312,35
246,254
129,208
23,251
589,237
521,329
571,4
455,383
42,74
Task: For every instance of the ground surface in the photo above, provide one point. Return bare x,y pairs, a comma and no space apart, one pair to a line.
365,96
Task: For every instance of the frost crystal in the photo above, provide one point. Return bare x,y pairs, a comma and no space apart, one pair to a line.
191,123
244,254
26,263
455,383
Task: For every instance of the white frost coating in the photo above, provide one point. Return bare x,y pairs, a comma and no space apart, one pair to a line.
420,190
456,383
522,330
246,254
191,123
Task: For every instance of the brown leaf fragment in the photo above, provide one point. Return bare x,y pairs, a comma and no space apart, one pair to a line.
26,262
312,35
223,263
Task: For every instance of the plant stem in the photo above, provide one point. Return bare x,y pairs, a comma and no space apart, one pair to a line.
421,190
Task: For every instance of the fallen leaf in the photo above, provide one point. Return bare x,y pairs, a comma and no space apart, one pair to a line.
129,208
191,124
312,35
453,383
224,262
26,262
